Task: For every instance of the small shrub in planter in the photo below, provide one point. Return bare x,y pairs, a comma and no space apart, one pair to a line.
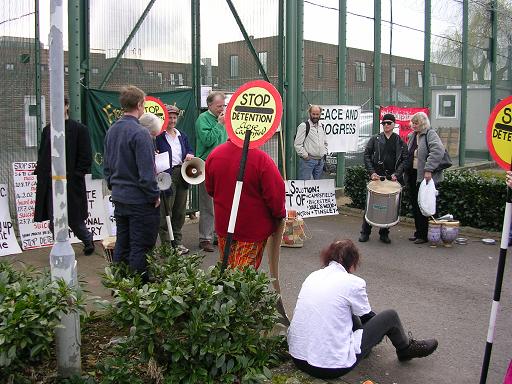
191,325
30,308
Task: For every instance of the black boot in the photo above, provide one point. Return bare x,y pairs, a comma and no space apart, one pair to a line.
364,237
417,348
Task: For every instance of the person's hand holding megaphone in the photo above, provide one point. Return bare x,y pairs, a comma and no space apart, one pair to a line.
189,157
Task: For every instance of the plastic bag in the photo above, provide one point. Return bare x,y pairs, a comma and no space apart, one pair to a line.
427,198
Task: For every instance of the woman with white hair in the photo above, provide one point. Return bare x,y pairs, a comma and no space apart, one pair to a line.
426,151
152,122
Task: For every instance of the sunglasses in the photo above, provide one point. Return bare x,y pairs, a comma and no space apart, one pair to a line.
387,123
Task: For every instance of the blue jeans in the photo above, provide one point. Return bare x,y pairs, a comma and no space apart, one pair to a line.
137,230
311,167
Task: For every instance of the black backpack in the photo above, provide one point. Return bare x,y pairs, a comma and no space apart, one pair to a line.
307,131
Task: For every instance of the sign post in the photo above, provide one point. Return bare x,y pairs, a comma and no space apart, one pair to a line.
252,116
499,142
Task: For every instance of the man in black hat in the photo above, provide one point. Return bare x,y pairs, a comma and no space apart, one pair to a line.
384,156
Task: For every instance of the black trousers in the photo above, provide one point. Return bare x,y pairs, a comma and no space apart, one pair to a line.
420,221
367,229
387,323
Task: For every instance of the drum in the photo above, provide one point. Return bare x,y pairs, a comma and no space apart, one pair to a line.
383,203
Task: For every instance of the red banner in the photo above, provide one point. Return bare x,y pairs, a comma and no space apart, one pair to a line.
403,117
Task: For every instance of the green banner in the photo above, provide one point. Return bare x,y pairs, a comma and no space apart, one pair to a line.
103,110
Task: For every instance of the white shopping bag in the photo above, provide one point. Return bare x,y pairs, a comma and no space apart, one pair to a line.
427,198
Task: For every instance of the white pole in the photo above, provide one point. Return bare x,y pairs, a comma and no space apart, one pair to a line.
62,256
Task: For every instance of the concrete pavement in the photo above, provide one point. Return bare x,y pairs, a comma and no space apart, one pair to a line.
444,293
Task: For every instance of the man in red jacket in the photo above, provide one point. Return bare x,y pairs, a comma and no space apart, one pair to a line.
262,202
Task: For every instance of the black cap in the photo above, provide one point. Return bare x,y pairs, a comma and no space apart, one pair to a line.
388,117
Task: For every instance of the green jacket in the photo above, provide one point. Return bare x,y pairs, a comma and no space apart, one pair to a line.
209,134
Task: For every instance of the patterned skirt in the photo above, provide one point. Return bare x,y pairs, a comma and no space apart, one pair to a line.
243,253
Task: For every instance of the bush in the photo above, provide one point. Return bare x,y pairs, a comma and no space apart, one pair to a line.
474,200
194,326
30,308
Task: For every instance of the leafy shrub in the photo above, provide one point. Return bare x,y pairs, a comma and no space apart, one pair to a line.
30,308
474,200
194,326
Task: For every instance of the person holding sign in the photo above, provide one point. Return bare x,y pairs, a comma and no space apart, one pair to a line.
426,151
176,144
384,156
333,326
129,170
311,145
210,132
78,164
262,202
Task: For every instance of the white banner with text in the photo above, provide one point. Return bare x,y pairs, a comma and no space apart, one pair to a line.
341,125
311,198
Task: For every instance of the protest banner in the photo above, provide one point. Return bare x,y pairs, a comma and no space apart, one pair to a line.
8,243
32,235
109,215
95,221
311,198
341,125
403,118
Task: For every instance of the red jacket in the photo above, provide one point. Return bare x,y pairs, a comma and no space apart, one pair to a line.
262,202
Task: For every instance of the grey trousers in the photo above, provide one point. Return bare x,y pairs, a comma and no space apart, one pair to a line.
206,219
177,203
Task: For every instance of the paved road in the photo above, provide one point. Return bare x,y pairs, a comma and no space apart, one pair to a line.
442,293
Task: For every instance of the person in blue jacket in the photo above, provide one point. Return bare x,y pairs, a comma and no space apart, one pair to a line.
176,144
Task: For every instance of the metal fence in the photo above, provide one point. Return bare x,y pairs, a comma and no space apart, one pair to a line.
156,43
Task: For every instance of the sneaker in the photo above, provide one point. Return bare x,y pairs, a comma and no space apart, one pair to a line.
412,238
364,237
420,241
206,246
182,250
385,239
89,249
417,348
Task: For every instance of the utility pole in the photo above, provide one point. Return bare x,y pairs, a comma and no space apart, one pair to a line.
62,256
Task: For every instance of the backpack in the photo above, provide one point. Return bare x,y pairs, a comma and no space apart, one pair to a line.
307,130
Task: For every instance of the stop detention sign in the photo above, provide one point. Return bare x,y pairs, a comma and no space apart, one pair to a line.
155,106
499,133
255,106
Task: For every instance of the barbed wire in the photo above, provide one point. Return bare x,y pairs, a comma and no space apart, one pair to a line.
17,18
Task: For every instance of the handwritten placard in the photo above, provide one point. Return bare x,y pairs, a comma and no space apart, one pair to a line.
109,212
8,243
32,235
311,198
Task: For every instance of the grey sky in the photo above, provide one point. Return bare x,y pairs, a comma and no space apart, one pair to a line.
165,34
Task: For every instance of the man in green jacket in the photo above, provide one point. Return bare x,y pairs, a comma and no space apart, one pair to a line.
210,132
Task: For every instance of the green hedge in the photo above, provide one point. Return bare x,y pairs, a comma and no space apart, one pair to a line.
474,200
30,309
191,325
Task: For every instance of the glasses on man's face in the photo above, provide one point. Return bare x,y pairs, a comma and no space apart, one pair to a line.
387,122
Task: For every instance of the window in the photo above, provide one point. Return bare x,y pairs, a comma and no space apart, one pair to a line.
151,73
160,77
263,59
433,79
406,77
447,106
94,71
320,67
420,80
233,66
393,76
172,79
180,78
9,66
66,69
360,71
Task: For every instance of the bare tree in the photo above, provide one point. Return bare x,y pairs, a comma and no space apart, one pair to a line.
447,49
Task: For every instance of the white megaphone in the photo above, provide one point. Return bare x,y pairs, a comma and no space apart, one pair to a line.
192,171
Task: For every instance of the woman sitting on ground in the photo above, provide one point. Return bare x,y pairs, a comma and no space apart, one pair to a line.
333,326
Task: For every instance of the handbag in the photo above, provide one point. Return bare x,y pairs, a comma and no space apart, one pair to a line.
446,161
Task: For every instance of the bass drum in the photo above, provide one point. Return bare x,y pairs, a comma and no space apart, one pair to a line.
383,203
